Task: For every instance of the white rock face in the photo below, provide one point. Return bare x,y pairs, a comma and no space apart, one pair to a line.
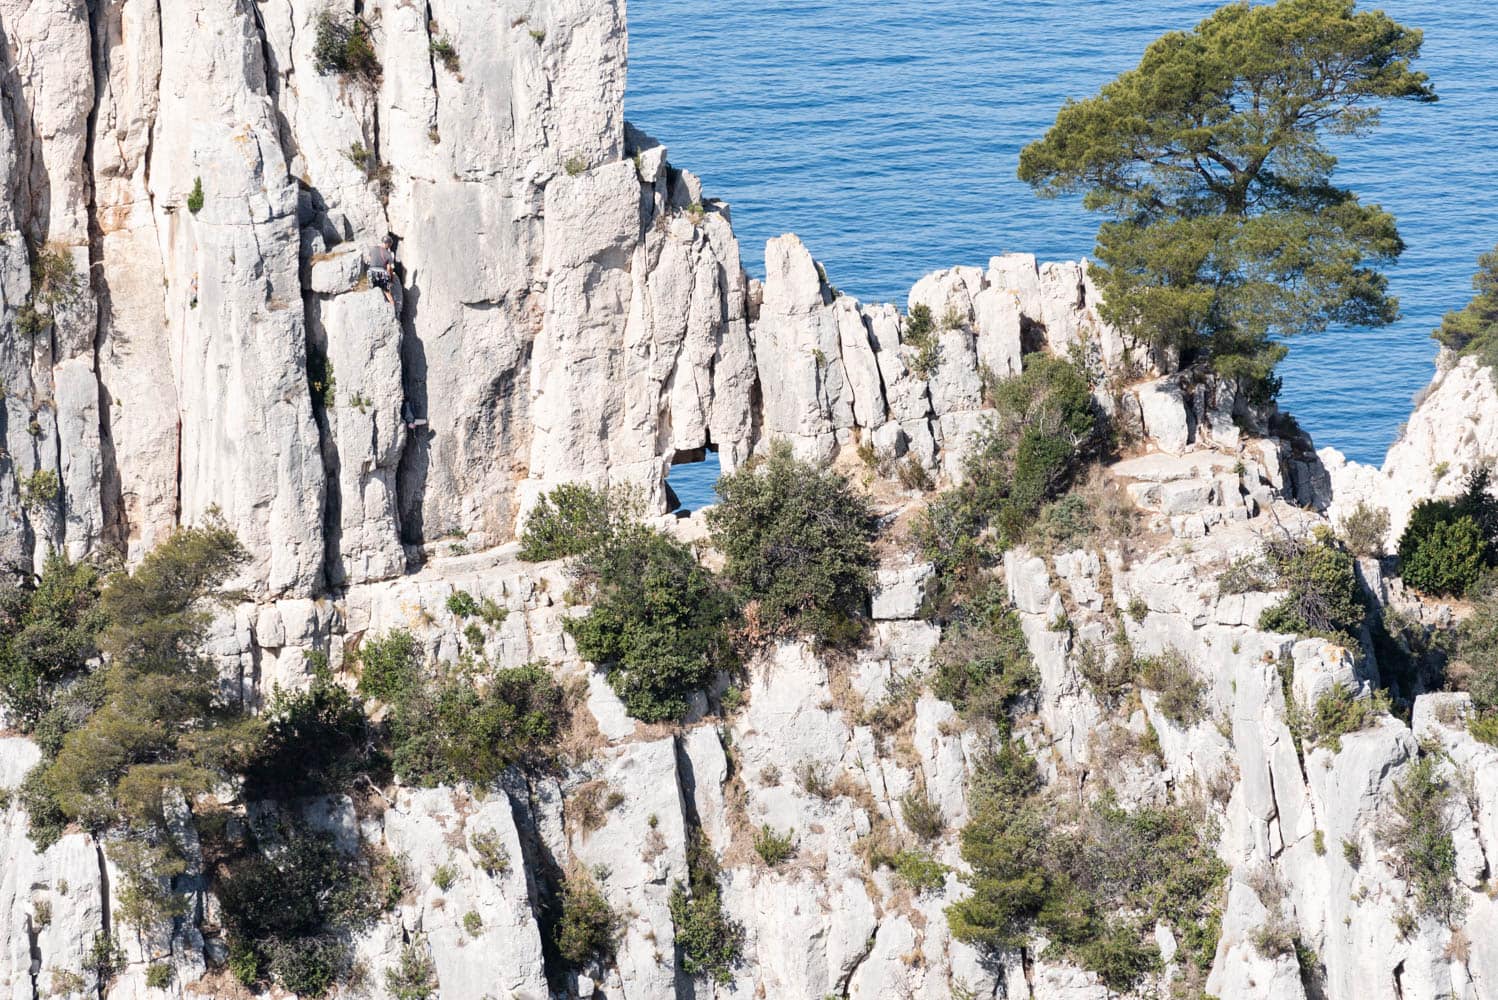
571,307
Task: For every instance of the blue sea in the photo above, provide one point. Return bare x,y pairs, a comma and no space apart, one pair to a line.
887,132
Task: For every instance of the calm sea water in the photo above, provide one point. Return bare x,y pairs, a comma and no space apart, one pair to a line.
887,132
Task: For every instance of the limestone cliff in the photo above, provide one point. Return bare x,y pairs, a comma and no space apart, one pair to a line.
189,324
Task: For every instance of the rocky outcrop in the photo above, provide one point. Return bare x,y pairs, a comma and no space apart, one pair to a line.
572,307
1452,432
190,329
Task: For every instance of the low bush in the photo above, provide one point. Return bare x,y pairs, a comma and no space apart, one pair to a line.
920,871
414,977
316,742
796,542
1245,575
195,197
1364,529
1477,650
1042,432
574,519
289,908
710,942
1176,683
158,975
919,334
48,633
658,622
1449,543
390,666
1039,867
983,663
922,814
773,848
344,45
588,926
490,850
40,490
1323,598
461,604
471,723
1419,834
446,53
1339,711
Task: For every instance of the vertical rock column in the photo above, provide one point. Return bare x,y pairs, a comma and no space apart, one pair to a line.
52,427
139,396
234,307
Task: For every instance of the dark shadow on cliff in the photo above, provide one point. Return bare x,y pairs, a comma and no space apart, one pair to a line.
415,460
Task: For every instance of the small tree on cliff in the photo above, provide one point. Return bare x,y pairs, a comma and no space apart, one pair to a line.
1225,229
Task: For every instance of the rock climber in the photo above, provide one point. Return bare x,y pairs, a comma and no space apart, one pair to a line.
382,269
408,416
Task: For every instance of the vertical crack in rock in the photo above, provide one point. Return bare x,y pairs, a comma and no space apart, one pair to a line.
111,501
543,878
846,980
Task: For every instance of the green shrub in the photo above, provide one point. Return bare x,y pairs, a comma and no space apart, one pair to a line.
922,814
588,926
1107,677
920,871
390,666
1069,879
144,899
1448,543
473,923
919,334
1364,529
345,46
658,621
289,911
195,198
1477,648
493,858
1440,553
1245,575
48,633
1042,431
1484,729
1323,598
444,52
576,165
414,978
461,604
1352,853
983,662
772,848
796,542
316,742
321,381
470,724
158,975
1176,683
54,276
711,943
1339,711
445,877
1420,837
40,489
493,615
573,519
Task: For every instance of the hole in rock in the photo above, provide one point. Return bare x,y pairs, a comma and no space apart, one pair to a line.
693,478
